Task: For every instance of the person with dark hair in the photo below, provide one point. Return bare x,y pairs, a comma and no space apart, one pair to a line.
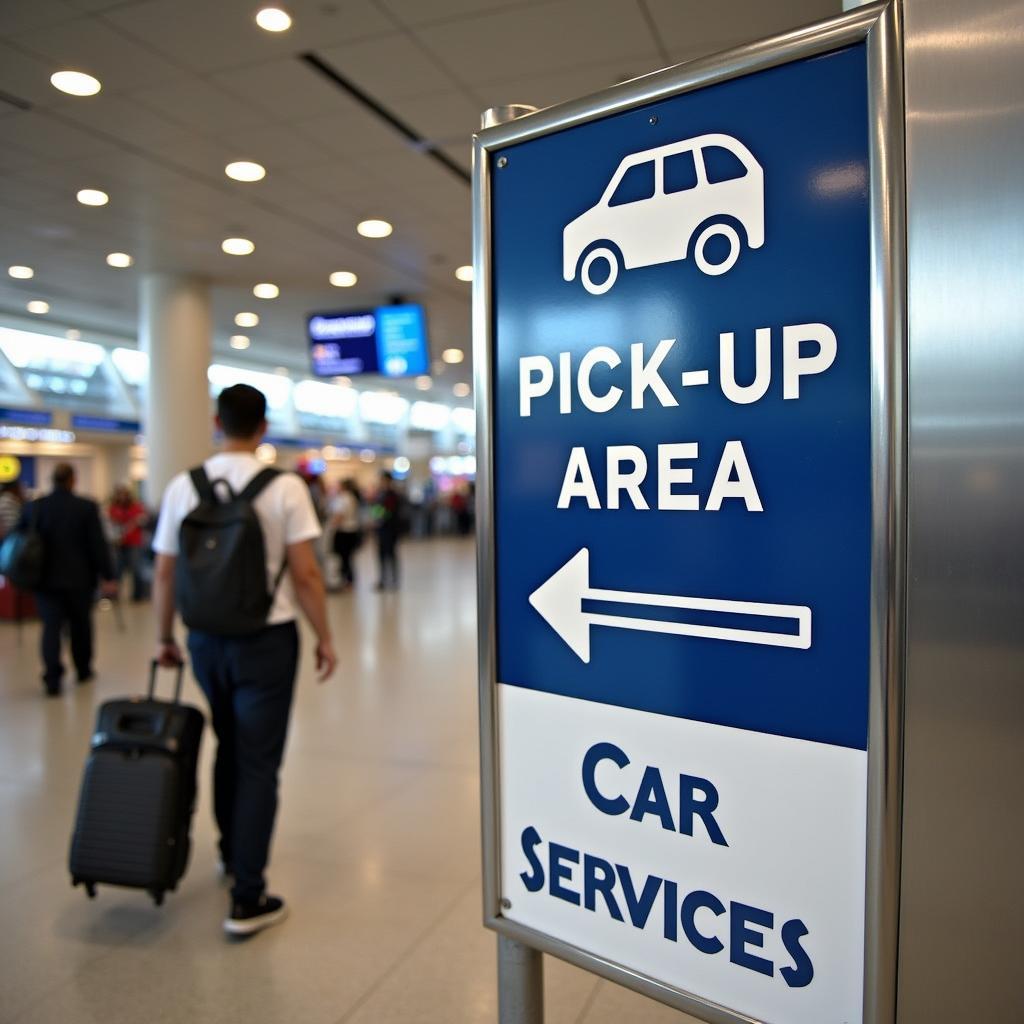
247,674
77,557
387,519
345,510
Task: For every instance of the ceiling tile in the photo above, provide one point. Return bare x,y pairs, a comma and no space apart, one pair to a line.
350,131
198,104
538,40
441,118
46,136
214,36
285,88
390,67
418,12
24,76
90,45
30,14
696,29
572,83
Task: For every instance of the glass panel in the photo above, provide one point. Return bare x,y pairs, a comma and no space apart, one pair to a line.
636,184
680,172
720,164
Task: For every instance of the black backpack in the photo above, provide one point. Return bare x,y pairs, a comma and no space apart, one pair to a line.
23,554
221,574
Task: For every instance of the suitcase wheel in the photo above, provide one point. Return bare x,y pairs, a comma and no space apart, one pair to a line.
90,890
158,897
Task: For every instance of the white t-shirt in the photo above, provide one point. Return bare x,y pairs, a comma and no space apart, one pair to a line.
284,508
344,511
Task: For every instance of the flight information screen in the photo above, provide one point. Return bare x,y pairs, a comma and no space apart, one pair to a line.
388,340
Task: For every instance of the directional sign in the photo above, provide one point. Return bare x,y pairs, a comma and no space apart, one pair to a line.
560,602
679,401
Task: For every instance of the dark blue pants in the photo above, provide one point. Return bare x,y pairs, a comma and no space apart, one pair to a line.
249,683
57,609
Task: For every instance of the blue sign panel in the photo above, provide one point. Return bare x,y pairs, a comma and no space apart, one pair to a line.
389,340
31,417
682,406
105,423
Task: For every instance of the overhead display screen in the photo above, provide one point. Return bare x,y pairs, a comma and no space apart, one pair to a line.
388,340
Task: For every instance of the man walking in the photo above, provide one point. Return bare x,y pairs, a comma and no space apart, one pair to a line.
76,559
247,674
387,515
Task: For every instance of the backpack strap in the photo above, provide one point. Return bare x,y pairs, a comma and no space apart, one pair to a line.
252,489
201,482
249,493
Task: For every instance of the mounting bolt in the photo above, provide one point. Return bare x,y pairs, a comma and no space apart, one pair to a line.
653,119
506,904
503,161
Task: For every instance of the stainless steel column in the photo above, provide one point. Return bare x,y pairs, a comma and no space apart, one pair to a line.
520,983
520,968
962,909
176,331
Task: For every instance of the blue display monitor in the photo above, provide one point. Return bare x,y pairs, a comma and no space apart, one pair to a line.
388,340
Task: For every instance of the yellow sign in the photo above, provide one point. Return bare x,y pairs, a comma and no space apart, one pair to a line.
10,468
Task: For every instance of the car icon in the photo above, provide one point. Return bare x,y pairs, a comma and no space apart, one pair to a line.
701,198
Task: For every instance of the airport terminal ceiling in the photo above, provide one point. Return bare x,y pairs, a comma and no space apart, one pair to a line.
189,87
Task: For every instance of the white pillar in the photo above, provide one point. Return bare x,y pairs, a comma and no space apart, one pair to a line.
176,331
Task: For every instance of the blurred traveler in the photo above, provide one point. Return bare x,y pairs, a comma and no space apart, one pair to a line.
12,499
345,508
127,515
462,507
76,557
387,519
247,672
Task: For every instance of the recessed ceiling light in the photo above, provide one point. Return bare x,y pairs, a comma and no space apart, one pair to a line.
75,83
453,355
367,455
374,228
273,19
237,246
92,197
245,170
461,390
73,334
266,290
21,273
464,273
424,383
239,341
38,306
343,279
246,320
119,260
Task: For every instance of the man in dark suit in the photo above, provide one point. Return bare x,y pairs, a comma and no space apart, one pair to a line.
77,557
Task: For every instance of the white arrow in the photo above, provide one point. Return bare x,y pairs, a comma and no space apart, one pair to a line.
560,603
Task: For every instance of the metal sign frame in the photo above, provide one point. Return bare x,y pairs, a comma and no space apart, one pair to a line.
879,26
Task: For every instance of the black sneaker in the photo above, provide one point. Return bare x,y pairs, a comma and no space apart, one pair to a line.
249,918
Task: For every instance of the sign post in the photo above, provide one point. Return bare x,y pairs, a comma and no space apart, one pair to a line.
689,352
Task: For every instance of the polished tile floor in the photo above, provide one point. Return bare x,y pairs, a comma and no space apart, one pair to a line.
377,846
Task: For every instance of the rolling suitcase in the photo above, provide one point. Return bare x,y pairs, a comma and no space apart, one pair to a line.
138,793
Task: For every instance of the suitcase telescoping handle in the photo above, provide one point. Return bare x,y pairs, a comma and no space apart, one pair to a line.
154,665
